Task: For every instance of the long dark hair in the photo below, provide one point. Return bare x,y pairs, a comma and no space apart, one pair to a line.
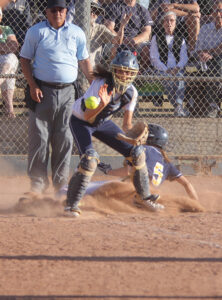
165,156
101,72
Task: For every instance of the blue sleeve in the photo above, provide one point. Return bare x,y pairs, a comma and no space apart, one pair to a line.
82,52
30,44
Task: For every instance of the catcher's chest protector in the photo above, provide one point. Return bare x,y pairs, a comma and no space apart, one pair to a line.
114,106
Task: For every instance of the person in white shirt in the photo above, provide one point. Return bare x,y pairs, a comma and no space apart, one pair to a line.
168,54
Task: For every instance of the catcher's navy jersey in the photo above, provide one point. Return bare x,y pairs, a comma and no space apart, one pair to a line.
159,170
127,101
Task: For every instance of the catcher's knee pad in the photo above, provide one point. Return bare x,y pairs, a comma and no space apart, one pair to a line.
88,162
138,157
140,176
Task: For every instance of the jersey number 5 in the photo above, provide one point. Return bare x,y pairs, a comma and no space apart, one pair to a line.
157,174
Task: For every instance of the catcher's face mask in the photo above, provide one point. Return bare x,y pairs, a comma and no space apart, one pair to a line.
123,77
124,68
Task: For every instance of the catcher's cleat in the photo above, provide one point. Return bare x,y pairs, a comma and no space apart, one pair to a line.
72,212
153,197
150,203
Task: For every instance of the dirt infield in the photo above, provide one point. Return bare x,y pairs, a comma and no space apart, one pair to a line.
114,250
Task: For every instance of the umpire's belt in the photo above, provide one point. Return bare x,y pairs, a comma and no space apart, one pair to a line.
54,85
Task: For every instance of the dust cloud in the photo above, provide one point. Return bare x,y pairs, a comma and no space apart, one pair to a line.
111,198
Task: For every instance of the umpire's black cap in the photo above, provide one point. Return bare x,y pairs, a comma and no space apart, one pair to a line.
56,3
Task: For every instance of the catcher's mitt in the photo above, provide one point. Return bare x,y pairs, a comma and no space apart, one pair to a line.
137,135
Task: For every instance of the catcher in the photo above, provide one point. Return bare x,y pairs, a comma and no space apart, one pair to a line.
116,91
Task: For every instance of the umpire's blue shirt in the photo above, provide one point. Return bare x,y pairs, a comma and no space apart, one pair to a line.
55,52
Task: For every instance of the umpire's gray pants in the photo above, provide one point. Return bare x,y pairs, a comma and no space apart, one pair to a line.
49,125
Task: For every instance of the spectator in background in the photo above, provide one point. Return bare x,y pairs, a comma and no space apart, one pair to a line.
168,54
38,8
209,44
188,17
100,35
50,56
17,15
138,30
206,11
8,65
105,5
209,50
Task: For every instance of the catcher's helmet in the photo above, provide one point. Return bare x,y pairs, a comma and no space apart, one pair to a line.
124,68
158,136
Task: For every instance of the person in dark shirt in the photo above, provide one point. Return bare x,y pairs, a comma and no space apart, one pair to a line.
138,29
209,52
137,32
17,15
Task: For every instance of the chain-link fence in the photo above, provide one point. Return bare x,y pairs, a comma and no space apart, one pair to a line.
179,48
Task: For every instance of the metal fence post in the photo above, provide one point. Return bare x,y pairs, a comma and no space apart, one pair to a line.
82,19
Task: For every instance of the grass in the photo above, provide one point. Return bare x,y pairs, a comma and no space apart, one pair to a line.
150,89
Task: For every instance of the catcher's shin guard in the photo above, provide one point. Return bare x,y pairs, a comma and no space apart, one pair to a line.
140,176
81,178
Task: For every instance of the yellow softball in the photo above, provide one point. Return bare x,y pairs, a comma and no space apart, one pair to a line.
92,102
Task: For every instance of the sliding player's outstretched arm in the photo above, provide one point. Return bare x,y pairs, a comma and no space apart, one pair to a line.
188,187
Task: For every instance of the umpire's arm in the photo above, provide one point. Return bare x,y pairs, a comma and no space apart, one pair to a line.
86,67
35,91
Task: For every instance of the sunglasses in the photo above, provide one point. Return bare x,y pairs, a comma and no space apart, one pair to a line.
58,9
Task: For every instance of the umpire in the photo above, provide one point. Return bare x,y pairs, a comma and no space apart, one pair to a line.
50,56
